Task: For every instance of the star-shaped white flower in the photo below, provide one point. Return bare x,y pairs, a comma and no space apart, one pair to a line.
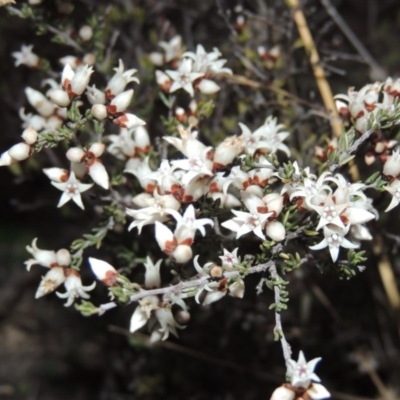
301,372
334,238
183,78
72,190
394,190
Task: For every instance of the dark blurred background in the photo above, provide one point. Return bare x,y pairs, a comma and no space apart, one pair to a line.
227,352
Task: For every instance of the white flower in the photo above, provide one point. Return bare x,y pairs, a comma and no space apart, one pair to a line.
187,225
334,238
46,258
184,77
230,259
301,372
119,80
172,49
167,322
329,212
143,312
394,190
26,57
152,278
391,167
74,288
72,189
51,281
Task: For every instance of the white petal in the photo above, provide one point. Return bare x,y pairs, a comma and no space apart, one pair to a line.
318,392
99,174
138,320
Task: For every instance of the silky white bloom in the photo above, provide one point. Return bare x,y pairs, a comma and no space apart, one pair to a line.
172,49
74,288
394,190
72,189
119,80
187,224
26,57
334,238
391,167
152,278
230,259
46,258
38,101
301,372
184,77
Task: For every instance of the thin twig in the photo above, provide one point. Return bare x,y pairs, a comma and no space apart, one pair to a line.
318,70
377,72
287,352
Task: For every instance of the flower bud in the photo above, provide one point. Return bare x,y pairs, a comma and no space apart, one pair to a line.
86,33
89,59
274,203
95,96
6,159
29,135
163,80
37,100
120,102
99,111
50,282
37,122
392,165
237,289
63,258
142,139
182,317
276,231
207,86
76,154
128,121
20,151
99,174
283,393
138,320
182,254
73,61
156,58
56,174
216,272
97,149
59,97
67,76
104,271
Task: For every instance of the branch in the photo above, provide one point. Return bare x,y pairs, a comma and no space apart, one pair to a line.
287,351
357,143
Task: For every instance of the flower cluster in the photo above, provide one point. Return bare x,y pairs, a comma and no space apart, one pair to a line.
59,273
340,211
193,70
